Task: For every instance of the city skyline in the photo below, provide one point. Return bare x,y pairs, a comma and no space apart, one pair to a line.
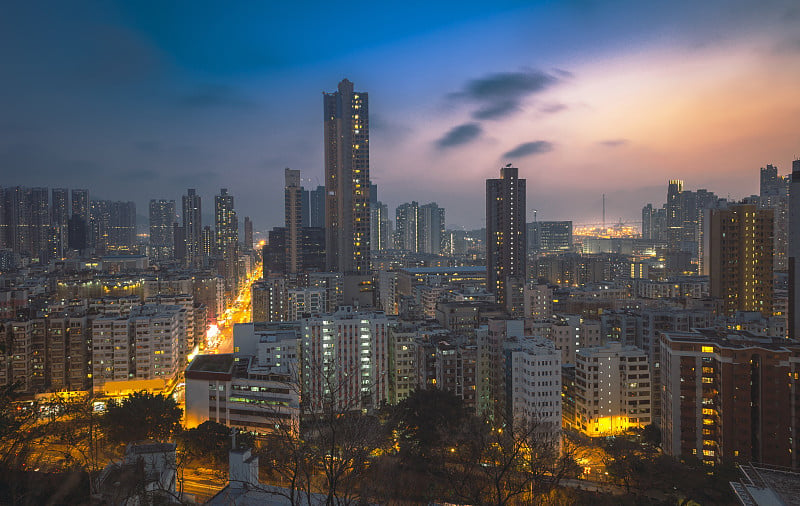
560,92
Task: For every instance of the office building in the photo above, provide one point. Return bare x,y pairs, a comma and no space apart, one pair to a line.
162,220
550,237
738,257
347,211
316,207
505,231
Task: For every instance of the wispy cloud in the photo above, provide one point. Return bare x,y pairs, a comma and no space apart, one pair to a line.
528,149
614,143
462,134
499,95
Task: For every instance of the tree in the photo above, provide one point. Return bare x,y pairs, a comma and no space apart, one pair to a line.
424,424
507,463
141,416
212,441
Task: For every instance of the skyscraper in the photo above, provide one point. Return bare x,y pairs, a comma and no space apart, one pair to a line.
227,236
162,218
347,212
431,228
674,215
316,205
248,233
59,217
407,227
293,219
794,252
505,231
192,227
79,222
739,261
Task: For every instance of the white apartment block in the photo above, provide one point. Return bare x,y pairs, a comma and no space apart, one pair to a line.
306,301
612,390
571,333
143,346
535,384
345,359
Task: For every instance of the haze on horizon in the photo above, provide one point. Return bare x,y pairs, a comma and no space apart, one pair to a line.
141,100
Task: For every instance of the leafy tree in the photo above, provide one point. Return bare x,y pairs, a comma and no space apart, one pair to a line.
141,416
425,423
212,441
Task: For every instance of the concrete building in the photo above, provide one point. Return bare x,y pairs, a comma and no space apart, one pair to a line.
255,388
533,376
505,231
162,221
738,257
347,182
138,351
345,360
193,228
293,219
793,252
612,390
730,396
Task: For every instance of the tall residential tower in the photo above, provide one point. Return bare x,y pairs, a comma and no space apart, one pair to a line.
505,232
347,211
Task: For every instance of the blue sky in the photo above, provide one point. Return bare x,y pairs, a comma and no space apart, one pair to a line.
140,100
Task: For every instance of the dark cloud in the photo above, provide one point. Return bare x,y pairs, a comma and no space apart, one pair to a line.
614,143
215,95
529,148
496,110
553,108
499,95
462,134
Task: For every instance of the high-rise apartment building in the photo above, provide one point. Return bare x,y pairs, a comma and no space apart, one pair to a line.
226,223
774,194
407,227
293,219
162,219
59,218
347,211
248,233
738,257
193,227
729,396
793,252
345,360
431,228
505,231
379,223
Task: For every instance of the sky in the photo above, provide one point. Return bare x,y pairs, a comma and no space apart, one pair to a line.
141,100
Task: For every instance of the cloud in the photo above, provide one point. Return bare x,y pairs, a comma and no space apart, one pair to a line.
614,143
553,108
499,95
461,134
529,148
214,95
496,110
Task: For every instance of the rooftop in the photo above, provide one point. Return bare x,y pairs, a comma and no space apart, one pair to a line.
212,363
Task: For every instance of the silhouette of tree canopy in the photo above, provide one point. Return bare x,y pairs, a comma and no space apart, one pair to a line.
141,416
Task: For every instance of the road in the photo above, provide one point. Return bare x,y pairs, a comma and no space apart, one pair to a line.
220,337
